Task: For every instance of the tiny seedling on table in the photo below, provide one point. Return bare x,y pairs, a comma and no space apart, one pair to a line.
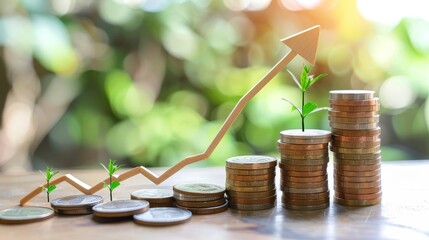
111,169
48,176
305,83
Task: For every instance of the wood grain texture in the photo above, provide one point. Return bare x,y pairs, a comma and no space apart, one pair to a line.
402,214
303,43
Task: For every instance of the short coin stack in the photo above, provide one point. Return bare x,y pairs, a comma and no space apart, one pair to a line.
157,197
250,182
304,158
354,121
200,198
76,204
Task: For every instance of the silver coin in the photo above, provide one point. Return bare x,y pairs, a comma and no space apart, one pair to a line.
25,214
351,94
309,134
76,201
163,216
152,193
120,208
199,189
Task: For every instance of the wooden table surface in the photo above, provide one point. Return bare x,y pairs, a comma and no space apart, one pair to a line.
403,213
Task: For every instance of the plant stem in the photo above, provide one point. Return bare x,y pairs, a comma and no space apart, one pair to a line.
110,189
302,109
47,192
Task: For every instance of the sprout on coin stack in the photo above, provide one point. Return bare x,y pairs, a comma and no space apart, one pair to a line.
304,156
111,169
49,174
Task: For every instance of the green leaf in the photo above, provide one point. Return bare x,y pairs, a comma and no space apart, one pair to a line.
294,78
294,107
319,109
313,80
51,188
114,185
304,79
308,108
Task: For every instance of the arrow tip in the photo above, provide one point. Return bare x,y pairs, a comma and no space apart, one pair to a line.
304,43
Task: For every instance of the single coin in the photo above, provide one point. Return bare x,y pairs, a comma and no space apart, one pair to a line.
341,144
199,189
287,167
305,157
304,141
333,113
269,199
120,208
357,179
288,184
305,202
358,174
305,196
166,204
251,172
358,196
343,157
303,174
356,150
301,147
357,168
357,190
250,183
153,195
354,126
292,153
208,210
357,162
250,189
17,215
369,108
306,208
344,184
351,94
201,204
308,133
252,207
354,120
182,197
164,216
304,179
76,201
305,190
305,162
263,194
251,162
339,138
250,178
79,211
374,101
357,133
357,203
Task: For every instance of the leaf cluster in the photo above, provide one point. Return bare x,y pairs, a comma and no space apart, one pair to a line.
111,169
49,174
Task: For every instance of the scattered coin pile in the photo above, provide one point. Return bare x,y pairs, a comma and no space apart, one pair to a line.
304,158
159,197
250,182
76,204
200,198
354,121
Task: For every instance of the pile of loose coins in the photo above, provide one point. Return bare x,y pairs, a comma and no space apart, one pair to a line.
354,120
250,182
200,198
156,197
304,159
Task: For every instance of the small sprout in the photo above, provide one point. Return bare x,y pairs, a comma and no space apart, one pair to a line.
305,83
48,175
111,169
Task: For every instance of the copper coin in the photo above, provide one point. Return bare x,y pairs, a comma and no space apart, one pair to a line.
292,153
305,202
251,162
351,94
306,208
358,190
302,146
213,203
305,179
305,141
357,133
347,156
341,144
305,162
244,178
303,174
199,189
250,189
304,184
305,190
333,113
269,199
302,168
307,134
356,150
373,101
343,184
358,196
263,194
304,196
369,108
352,162
252,207
354,126
303,157
354,139
251,172
346,120
357,179
357,168
357,203
250,183
358,174
206,210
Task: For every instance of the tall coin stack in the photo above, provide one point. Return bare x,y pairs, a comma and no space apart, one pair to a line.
355,127
250,182
304,158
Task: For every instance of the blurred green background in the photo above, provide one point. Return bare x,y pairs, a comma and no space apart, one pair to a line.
148,82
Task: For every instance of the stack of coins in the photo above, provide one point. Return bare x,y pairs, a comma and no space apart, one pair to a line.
354,121
304,158
158,197
120,208
75,204
250,182
200,198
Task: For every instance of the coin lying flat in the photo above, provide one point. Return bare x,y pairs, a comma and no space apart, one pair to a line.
19,215
120,208
153,195
251,162
164,216
76,204
199,189
206,210
351,94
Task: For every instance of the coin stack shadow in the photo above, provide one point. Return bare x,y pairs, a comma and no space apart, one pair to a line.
304,159
354,121
200,198
250,182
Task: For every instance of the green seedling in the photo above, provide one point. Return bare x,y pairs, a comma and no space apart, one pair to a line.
49,174
305,83
111,169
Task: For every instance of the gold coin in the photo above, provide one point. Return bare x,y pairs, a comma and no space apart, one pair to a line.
251,162
207,210
250,178
250,189
305,162
357,203
351,94
269,199
357,179
302,168
199,189
252,207
357,133
301,147
373,101
251,172
204,204
341,144
354,120
369,108
236,194
306,208
354,126
333,113
250,183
